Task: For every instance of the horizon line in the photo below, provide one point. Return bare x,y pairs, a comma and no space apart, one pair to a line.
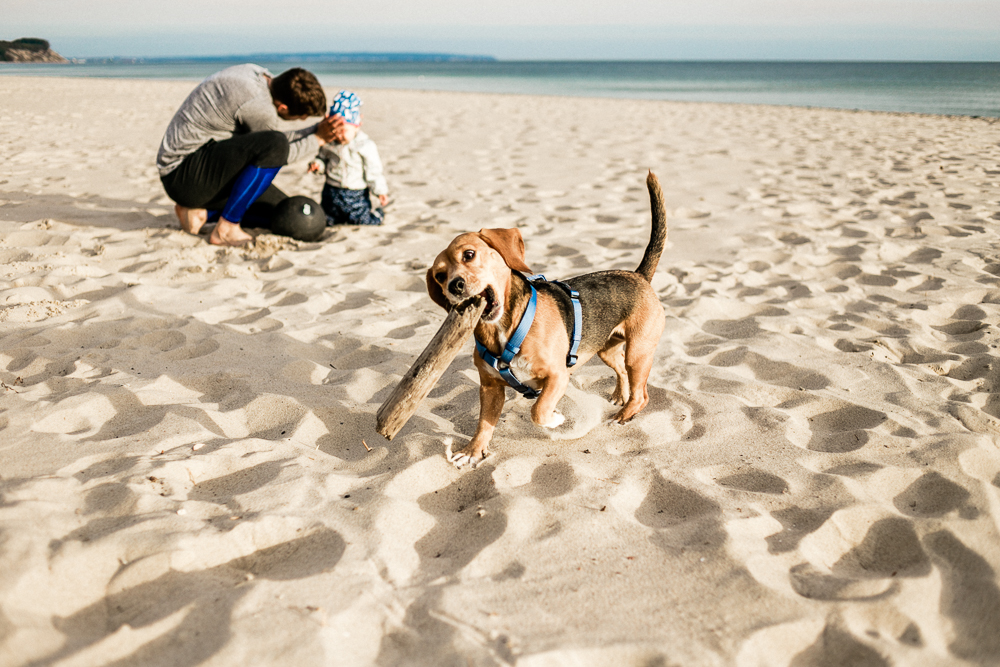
420,56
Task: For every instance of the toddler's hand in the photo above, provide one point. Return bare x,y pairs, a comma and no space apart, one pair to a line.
383,200
314,167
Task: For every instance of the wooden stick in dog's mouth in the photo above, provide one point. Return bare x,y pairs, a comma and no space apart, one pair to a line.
429,366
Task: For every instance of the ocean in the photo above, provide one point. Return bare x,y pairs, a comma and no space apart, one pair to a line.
949,88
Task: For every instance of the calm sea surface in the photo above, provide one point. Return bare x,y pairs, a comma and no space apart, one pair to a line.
971,89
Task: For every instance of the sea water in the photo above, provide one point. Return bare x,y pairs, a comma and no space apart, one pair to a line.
952,88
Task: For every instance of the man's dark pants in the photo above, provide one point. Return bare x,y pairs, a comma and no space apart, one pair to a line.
205,178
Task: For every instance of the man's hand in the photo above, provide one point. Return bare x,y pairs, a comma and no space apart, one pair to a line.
330,129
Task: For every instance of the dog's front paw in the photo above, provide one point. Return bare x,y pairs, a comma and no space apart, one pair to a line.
556,420
470,454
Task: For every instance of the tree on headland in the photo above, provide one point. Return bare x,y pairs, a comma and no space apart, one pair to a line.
29,50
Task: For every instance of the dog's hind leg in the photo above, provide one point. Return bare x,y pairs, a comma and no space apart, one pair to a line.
638,368
614,356
640,349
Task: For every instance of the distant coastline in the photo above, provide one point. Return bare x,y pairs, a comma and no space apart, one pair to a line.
325,57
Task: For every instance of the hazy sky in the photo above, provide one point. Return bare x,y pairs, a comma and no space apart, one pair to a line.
518,29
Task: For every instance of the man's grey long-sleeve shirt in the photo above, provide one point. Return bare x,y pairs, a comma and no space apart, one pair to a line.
234,101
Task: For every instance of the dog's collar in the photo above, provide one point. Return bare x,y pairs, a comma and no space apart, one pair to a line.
513,346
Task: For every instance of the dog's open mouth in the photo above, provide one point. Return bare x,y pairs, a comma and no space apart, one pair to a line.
492,304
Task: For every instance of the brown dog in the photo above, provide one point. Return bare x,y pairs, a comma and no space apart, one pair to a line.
622,320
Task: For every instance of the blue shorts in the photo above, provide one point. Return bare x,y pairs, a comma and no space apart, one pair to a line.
349,207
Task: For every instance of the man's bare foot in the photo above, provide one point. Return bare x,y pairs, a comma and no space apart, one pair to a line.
192,219
229,233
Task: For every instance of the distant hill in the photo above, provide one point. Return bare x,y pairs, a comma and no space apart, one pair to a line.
29,50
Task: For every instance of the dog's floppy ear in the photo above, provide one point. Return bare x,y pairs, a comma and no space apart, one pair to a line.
509,244
437,294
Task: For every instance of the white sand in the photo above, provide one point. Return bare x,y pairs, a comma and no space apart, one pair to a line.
184,476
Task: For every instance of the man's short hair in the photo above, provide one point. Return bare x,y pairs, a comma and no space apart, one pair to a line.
299,90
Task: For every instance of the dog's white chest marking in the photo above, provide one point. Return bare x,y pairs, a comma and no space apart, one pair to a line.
521,368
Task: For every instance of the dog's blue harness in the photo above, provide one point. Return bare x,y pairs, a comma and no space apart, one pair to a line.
513,346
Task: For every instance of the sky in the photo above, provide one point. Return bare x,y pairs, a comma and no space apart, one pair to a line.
518,29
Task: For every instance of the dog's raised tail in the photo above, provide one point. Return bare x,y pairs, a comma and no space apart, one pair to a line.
658,236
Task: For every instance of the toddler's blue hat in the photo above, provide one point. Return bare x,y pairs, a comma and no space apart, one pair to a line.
347,105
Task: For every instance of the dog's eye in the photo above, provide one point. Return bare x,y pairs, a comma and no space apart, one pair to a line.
468,255
440,277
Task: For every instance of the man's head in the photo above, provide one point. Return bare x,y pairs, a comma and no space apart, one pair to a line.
297,94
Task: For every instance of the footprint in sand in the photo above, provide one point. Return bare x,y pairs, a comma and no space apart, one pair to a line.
813,643
859,554
225,488
469,515
796,523
109,508
352,301
755,481
968,340
364,356
255,322
230,391
163,340
680,516
841,427
202,348
406,331
766,370
550,480
969,595
836,646
107,468
147,591
303,557
933,495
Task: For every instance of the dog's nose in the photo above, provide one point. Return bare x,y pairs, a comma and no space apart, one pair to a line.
456,286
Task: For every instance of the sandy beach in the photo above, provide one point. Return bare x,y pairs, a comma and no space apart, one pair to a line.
190,472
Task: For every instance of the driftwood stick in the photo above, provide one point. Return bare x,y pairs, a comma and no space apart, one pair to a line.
428,368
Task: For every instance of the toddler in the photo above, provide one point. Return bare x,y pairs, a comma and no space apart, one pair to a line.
353,170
